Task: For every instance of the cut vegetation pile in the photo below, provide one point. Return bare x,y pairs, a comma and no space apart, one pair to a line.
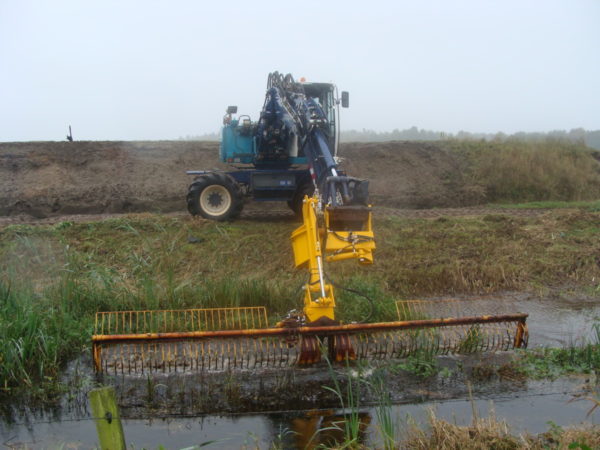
515,171
53,178
55,277
490,433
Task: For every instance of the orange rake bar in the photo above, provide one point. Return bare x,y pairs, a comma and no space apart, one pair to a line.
205,348
466,338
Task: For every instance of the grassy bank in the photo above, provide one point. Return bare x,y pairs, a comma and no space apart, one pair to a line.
515,171
55,277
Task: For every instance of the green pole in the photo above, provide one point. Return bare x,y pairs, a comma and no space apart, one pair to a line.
108,422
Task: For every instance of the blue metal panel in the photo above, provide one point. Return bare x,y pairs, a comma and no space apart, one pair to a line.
299,160
281,192
236,148
242,176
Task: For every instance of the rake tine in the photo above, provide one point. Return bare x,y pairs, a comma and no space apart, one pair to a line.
212,349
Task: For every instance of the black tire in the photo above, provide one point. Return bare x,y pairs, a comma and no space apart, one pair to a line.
215,196
295,203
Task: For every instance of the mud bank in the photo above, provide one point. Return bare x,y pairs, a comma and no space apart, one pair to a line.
42,179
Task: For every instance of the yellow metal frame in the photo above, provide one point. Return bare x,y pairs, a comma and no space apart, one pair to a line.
355,244
314,244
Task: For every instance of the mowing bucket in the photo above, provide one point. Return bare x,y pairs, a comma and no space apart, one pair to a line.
219,339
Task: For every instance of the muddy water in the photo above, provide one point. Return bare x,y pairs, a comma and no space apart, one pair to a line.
526,410
553,321
556,322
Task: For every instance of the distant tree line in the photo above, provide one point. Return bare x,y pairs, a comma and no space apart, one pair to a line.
590,138
216,136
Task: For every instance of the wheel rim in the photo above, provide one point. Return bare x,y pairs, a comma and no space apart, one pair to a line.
215,200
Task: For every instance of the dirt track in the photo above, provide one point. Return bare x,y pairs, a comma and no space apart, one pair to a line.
285,214
45,179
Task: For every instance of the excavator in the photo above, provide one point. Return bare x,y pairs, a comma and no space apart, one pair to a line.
290,154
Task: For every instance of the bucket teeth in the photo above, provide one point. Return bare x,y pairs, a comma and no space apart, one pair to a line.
310,351
341,348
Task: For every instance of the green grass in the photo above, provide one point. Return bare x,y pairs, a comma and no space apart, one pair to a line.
348,394
487,254
53,278
555,362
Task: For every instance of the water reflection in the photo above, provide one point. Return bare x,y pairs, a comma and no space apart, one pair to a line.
529,410
316,428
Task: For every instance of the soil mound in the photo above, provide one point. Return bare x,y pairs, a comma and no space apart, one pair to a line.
404,174
42,179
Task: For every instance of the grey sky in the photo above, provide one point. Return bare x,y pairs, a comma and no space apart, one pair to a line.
162,70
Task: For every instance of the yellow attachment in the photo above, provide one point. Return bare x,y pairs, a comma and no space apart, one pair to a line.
138,353
318,295
346,234
218,339
113,327
349,234
316,305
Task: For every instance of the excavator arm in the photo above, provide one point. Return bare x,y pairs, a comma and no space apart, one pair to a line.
336,219
292,116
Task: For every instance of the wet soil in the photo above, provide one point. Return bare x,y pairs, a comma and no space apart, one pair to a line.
268,212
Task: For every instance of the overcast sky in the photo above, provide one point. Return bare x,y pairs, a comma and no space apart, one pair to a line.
163,70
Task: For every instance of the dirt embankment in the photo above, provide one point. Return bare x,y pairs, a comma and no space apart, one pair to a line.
42,179
405,174
46,178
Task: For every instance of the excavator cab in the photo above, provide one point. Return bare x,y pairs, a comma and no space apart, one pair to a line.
325,95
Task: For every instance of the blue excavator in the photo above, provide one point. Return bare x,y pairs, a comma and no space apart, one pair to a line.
290,152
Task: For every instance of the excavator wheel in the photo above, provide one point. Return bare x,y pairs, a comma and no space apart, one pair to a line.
215,196
295,203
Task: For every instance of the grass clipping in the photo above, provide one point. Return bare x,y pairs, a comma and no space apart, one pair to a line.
490,433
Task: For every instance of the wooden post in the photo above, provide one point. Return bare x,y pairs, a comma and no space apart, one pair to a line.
108,422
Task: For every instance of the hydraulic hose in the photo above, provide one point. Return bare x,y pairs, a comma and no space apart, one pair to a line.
356,292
